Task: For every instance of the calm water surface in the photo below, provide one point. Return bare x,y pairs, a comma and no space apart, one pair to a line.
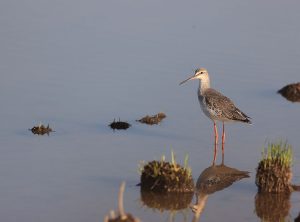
77,65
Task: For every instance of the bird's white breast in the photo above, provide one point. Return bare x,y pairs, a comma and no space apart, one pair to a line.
206,111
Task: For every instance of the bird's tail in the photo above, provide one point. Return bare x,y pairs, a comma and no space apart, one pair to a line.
246,118
243,117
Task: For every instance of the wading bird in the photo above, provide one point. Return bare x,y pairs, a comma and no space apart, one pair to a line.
216,106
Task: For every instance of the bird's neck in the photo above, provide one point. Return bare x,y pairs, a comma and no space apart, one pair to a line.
204,84
201,200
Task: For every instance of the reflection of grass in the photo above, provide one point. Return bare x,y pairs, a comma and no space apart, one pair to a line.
166,201
121,216
163,176
272,207
274,170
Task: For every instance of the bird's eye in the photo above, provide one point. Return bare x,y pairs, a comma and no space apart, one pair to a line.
201,72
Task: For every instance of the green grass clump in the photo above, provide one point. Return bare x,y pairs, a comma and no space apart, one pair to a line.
278,153
163,176
274,170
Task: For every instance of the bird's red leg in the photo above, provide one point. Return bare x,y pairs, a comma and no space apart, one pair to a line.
215,154
223,142
216,133
216,142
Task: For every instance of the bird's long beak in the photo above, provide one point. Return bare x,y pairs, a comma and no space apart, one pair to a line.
192,77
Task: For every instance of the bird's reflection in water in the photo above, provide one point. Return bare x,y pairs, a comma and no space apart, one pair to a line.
272,206
213,179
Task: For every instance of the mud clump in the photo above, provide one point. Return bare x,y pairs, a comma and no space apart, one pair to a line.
274,173
163,177
291,92
119,125
273,178
41,129
155,119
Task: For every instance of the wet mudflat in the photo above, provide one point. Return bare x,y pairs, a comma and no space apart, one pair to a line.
79,65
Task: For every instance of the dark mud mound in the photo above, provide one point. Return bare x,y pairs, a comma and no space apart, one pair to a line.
119,125
291,92
155,119
41,130
273,177
166,201
163,177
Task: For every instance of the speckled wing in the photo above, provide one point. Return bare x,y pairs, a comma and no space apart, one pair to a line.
222,107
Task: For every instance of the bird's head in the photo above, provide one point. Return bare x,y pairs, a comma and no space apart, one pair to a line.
199,74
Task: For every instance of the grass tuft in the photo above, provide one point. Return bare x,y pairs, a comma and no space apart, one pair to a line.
163,176
274,169
279,153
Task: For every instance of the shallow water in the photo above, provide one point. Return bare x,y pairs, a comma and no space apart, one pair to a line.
78,65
